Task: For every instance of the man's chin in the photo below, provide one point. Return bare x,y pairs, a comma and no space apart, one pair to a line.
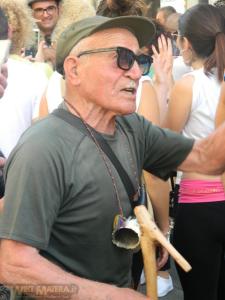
127,111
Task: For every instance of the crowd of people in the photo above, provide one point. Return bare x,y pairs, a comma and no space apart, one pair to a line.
84,74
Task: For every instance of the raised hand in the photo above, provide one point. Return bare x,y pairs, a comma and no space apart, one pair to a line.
163,60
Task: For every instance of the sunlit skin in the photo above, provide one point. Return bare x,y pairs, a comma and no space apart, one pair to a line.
108,93
47,22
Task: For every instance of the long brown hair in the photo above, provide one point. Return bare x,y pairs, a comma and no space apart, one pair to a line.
114,8
204,27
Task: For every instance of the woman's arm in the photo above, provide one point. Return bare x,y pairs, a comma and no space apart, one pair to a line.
220,112
179,106
157,189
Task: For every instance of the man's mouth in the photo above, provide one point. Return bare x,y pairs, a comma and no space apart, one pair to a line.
131,88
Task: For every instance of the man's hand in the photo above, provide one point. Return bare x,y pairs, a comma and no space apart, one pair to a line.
163,60
3,79
162,258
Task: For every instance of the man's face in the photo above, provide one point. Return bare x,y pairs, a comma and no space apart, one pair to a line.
102,82
47,13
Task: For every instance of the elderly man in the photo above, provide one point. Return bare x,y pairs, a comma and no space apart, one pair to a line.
63,192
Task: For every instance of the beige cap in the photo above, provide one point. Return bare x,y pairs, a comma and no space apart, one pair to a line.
141,27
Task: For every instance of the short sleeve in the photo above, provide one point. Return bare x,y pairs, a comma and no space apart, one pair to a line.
32,196
165,150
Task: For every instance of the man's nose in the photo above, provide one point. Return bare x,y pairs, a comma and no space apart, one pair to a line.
45,13
135,71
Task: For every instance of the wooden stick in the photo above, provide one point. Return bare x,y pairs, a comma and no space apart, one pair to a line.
149,258
150,235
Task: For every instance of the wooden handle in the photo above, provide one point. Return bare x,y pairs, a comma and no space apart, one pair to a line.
152,231
149,252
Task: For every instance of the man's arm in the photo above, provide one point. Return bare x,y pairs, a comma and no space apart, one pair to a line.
207,155
21,264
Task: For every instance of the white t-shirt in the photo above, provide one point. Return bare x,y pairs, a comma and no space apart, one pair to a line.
206,90
26,84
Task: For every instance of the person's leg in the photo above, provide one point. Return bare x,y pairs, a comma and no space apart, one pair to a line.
164,280
221,289
197,237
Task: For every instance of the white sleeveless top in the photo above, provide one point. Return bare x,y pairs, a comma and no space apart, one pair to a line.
206,90
139,90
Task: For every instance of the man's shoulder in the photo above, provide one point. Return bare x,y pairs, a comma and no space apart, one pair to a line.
49,133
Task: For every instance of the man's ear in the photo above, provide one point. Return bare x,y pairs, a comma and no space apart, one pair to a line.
70,69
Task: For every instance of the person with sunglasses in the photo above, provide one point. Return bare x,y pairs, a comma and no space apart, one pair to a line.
57,221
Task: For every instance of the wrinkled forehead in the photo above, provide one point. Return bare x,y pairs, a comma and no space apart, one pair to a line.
111,37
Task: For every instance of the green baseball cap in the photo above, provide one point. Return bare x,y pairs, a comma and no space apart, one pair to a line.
141,27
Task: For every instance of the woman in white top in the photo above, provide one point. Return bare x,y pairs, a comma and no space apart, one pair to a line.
199,232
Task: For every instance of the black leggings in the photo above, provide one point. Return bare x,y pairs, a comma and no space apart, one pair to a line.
199,235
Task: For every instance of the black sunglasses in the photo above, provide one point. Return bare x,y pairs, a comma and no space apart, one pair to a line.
125,58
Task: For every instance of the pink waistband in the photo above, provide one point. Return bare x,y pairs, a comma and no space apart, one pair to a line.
197,191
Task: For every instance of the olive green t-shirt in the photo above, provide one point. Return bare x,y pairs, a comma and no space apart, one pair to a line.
61,199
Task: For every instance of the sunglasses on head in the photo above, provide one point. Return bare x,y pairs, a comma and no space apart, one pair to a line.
125,58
